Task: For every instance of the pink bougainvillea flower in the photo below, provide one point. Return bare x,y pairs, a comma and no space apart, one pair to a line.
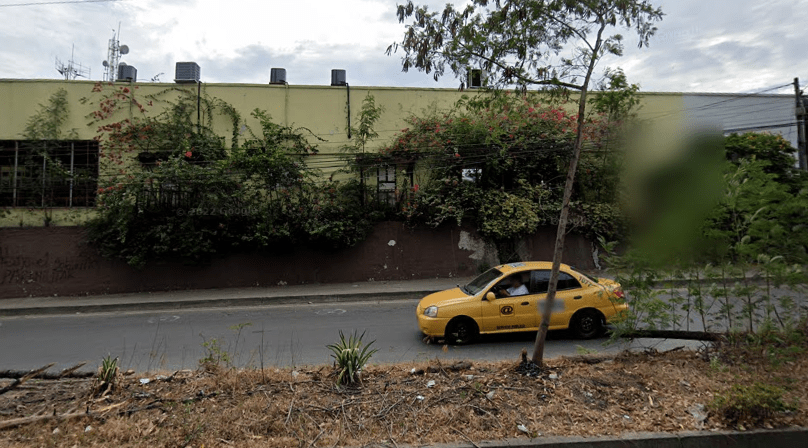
188,154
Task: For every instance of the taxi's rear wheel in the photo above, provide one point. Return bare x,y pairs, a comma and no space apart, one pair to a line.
587,324
461,330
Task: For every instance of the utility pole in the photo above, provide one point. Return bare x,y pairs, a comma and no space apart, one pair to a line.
800,112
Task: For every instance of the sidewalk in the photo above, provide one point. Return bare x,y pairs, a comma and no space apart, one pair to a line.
230,297
254,296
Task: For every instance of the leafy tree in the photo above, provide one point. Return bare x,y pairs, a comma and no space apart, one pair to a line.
364,132
757,215
772,148
519,42
616,98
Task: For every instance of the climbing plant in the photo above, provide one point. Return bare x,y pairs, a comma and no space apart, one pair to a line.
498,161
174,191
45,170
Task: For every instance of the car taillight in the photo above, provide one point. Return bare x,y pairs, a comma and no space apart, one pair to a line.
619,293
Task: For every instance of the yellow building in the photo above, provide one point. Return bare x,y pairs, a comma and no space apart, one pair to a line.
326,111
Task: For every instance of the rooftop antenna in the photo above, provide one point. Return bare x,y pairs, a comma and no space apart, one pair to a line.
114,52
72,69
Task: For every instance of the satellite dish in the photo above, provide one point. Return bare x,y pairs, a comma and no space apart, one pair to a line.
105,64
124,49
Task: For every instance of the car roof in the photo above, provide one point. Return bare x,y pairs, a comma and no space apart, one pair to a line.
525,265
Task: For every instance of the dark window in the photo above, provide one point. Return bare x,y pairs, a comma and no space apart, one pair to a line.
48,173
566,281
386,184
482,281
540,281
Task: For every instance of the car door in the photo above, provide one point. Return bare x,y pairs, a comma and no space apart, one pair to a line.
569,299
504,314
568,296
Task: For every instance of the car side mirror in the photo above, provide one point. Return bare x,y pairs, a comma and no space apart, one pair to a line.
490,296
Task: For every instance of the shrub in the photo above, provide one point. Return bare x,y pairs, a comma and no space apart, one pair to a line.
750,405
215,355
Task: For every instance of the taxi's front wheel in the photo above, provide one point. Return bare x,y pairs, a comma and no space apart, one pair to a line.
461,330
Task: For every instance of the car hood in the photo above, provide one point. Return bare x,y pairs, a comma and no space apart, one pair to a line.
444,298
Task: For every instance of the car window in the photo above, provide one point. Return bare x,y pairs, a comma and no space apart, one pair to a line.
506,283
482,281
566,281
540,281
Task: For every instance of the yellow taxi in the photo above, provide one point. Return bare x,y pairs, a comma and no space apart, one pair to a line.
511,298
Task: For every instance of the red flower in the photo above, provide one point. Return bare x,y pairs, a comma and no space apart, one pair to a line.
457,154
415,188
188,154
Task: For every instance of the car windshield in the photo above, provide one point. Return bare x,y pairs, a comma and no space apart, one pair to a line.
481,281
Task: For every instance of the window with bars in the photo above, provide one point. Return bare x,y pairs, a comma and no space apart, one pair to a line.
48,173
386,184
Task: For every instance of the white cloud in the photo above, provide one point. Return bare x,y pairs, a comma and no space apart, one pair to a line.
726,45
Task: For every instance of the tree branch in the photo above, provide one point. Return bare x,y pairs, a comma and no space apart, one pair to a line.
553,82
571,28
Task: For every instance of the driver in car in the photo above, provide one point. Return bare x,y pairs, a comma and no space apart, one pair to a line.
517,287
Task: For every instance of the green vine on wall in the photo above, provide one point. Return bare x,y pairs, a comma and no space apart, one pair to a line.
196,199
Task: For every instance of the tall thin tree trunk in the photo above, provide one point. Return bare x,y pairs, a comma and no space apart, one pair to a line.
561,232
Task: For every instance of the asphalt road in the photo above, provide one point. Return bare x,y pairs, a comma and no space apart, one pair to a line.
284,335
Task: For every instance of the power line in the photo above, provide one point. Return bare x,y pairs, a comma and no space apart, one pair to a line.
710,105
769,126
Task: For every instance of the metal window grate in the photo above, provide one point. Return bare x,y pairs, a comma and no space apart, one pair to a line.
48,173
386,184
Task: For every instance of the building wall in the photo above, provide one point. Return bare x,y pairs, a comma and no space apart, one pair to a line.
321,109
744,113
49,261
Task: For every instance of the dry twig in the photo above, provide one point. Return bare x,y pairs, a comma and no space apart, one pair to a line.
18,382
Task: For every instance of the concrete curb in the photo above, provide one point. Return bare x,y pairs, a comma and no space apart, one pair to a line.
211,303
778,438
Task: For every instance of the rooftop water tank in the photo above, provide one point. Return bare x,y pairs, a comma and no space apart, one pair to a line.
338,77
277,76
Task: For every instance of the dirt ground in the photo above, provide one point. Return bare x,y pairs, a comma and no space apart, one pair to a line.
398,404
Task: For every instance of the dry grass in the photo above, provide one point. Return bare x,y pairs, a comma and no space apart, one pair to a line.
285,408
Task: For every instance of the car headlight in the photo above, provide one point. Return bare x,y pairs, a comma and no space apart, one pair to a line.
431,311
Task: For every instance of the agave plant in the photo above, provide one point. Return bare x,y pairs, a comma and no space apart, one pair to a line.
350,356
107,376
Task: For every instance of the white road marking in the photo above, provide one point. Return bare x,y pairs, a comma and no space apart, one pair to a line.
330,311
155,319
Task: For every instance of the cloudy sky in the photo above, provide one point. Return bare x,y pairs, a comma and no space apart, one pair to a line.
701,45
